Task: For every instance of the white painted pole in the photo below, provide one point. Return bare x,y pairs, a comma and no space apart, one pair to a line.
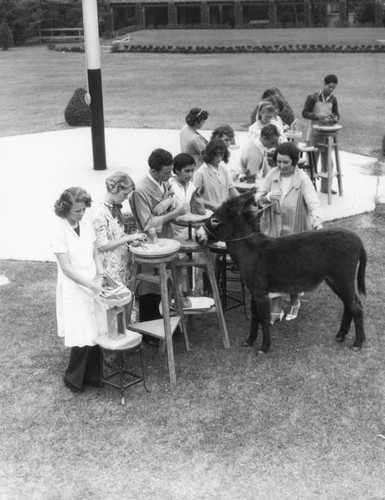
94,75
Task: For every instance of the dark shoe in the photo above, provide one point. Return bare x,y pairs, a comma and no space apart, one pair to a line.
334,191
94,383
70,386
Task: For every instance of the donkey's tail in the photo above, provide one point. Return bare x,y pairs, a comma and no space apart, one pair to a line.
361,272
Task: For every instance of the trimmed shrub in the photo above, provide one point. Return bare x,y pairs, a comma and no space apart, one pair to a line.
77,112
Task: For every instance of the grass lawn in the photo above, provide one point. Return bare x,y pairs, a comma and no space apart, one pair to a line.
352,36
156,90
303,422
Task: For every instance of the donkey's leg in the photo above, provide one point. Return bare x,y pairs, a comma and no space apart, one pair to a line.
253,334
358,316
263,306
346,292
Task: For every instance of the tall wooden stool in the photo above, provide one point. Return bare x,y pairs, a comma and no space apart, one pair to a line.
309,162
327,143
120,344
224,264
165,265
199,256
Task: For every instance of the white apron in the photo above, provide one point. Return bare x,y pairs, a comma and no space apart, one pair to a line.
80,314
321,109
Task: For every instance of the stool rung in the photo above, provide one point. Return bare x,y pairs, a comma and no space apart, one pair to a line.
325,175
152,278
155,328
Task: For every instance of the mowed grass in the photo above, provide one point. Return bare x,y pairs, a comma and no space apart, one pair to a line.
327,36
157,90
306,421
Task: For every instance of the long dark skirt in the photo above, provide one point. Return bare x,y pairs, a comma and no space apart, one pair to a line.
83,367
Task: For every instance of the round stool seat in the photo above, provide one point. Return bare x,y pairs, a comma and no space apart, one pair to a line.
190,246
125,341
165,247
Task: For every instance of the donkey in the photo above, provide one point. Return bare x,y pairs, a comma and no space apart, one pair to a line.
293,263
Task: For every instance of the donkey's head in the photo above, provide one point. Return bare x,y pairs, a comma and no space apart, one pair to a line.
234,219
197,205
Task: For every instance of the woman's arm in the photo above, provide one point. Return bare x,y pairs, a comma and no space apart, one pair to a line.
312,202
128,238
71,273
308,108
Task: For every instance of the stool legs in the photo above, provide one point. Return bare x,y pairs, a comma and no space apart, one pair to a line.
166,322
178,305
121,371
217,301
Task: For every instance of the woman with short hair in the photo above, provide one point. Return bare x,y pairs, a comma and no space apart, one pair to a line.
80,315
292,206
191,141
109,226
213,178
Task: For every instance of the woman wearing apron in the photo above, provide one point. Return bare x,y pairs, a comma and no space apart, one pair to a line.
321,107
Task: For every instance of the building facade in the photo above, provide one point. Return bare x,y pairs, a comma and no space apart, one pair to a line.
237,13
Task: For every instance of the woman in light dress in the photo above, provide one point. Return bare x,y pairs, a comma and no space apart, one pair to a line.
293,206
191,141
109,226
80,315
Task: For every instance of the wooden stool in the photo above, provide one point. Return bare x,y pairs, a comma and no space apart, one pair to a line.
309,163
162,329
119,343
199,256
326,142
224,262
121,349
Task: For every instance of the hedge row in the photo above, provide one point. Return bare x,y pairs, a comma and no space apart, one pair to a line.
119,48
234,49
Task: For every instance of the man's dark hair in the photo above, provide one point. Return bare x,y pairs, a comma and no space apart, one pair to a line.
159,158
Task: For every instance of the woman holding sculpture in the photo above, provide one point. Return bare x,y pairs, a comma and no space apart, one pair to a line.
80,315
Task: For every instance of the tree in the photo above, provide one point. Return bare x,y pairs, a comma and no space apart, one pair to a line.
6,38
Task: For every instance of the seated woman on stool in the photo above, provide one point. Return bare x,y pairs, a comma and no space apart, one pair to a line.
295,208
80,315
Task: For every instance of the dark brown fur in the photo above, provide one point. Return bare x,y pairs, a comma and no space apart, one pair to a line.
299,262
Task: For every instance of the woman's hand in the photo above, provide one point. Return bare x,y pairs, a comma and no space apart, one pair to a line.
136,237
96,285
320,226
274,195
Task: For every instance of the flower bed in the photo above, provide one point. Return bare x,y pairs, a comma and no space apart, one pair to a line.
234,49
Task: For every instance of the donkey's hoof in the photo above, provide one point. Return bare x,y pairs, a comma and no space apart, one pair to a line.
340,337
356,348
261,352
248,342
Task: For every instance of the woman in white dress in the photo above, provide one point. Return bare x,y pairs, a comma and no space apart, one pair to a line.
80,315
